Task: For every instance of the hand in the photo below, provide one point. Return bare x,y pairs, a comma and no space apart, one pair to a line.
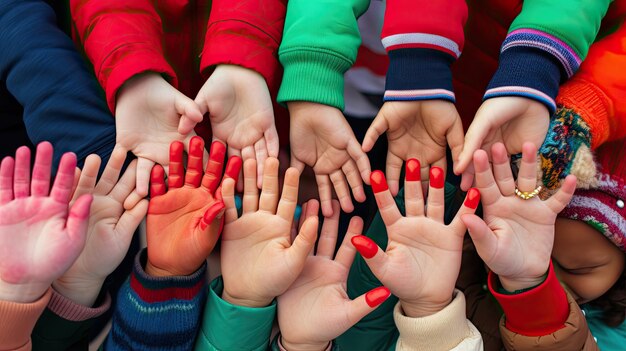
316,308
321,137
423,256
147,117
509,120
184,221
39,236
516,237
110,230
258,258
241,113
416,129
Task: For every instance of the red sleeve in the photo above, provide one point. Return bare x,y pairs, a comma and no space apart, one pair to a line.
121,38
246,34
597,91
423,38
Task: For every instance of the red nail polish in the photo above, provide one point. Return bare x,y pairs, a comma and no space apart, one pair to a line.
472,199
437,178
176,151
233,167
377,296
196,146
379,183
413,168
365,246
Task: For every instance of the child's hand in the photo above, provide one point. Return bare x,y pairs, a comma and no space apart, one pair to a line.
516,237
316,308
423,255
184,221
322,138
149,114
39,236
510,120
110,230
241,113
259,259
416,129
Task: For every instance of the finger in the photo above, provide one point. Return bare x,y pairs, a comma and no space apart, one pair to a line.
366,303
303,244
472,199
386,204
213,170
40,185
78,219
289,196
346,252
360,157
233,169
64,181
195,163
328,236
435,204
456,138
413,197
77,173
393,170
502,169
484,239
527,175
210,215
125,186
425,176
297,164
21,178
467,178
377,128
157,181
310,208
250,201
269,193
476,133
7,168
325,193
354,180
561,198
248,153
144,168
272,142
190,113
88,177
111,172
228,197
129,221
261,155
234,152
485,182
342,191
375,257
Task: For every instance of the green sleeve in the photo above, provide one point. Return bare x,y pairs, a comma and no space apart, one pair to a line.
575,22
229,327
53,332
320,43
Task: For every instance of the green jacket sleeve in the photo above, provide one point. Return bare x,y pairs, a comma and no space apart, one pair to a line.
320,43
230,327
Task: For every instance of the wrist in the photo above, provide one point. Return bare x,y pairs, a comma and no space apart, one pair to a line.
296,346
155,271
521,283
22,293
83,293
245,302
418,309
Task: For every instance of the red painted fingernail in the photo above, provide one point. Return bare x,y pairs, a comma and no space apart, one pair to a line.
233,167
472,199
379,183
437,178
365,246
176,151
413,170
196,146
377,296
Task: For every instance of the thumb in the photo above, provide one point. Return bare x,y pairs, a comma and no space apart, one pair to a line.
377,128
78,219
366,303
476,134
297,164
304,242
190,113
129,221
484,239
455,139
375,258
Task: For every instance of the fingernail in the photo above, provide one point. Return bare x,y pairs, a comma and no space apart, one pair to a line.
365,246
413,169
176,151
218,151
196,146
379,183
437,179
233,167
472,199
377,296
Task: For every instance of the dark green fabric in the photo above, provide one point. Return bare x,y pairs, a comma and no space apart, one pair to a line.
53,333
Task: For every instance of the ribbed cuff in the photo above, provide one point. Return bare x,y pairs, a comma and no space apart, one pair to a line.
279,343
536,312
314,76
71,311
526,72
419,74
591,104
17,321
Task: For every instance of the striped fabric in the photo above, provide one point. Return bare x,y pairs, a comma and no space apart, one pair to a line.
421,40
521,91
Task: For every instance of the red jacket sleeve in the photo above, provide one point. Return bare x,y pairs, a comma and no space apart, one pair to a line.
422,38
121,38
246,34
598,90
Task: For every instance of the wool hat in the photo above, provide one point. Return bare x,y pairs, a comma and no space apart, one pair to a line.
604,206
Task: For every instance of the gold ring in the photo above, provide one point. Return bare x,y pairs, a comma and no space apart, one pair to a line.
527,195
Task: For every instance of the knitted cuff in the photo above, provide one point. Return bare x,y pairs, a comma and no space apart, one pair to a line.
536,312
278,342
526,72
71,311
419,74
17,321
